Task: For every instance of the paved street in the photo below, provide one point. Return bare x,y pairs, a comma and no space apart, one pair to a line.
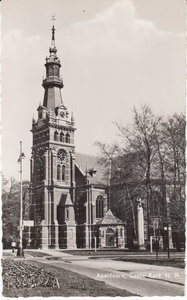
140,279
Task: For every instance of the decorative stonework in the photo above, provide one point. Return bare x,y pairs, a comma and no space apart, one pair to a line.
64,209
47,152
62,156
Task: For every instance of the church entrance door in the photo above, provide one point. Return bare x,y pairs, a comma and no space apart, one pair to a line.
110,237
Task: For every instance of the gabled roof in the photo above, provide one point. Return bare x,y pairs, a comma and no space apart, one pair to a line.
68,200
65,199
91,163
109,218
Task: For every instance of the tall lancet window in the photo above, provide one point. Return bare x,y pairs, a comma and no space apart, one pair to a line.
67,213
99,207
67,138
58,172
63,172
56,136
62,137
44,162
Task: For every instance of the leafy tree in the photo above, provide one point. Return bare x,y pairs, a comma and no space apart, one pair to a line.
11,209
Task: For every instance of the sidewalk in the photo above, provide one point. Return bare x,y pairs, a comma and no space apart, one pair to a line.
139,270
141,286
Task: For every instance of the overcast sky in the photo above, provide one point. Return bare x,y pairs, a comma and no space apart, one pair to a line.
114,53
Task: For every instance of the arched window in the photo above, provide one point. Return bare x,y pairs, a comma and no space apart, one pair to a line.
56,136
121,232
99,207
110,237
62,137
44,162
56,71
58,172
50,71
67,213
41,165
63,172
67,138
41,169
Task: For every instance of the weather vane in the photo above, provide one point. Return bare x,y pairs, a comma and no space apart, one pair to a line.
53,18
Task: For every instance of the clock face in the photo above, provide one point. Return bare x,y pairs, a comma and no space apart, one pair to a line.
61,155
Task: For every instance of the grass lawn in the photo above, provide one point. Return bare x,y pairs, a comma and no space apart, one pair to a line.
126,252
36,253
30,252
7,254
85,252
71,284
175,262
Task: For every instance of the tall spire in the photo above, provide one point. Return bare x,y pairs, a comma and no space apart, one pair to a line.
53,49
53,82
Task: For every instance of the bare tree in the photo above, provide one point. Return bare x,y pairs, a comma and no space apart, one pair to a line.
174,140
151,157
118,173
140,138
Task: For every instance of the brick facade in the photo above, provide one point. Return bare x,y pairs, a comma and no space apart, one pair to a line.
65,196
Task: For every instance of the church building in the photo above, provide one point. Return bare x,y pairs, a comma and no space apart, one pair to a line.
69,191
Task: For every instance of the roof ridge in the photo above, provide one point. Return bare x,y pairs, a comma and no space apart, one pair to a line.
91,155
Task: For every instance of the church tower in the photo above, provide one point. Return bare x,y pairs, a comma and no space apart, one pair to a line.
53,164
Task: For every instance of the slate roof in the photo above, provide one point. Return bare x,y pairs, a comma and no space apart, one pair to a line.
65,200
91,162
109,218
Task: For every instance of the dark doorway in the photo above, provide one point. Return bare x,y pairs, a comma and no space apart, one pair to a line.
110,237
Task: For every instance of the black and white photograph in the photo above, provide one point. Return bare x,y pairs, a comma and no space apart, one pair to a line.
93,167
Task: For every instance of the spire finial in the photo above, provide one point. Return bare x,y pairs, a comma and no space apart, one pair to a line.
53,31
53,18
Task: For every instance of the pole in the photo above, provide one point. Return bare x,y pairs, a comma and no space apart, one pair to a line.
29,239
151,244
90,221
109,184
157,246
95,240
168,239
89,211
21,200
20,249
167,211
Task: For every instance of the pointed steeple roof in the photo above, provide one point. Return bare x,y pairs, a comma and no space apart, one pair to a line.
109,218
53,82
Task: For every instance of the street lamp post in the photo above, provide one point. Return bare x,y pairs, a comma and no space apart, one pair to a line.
168,228
20,252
